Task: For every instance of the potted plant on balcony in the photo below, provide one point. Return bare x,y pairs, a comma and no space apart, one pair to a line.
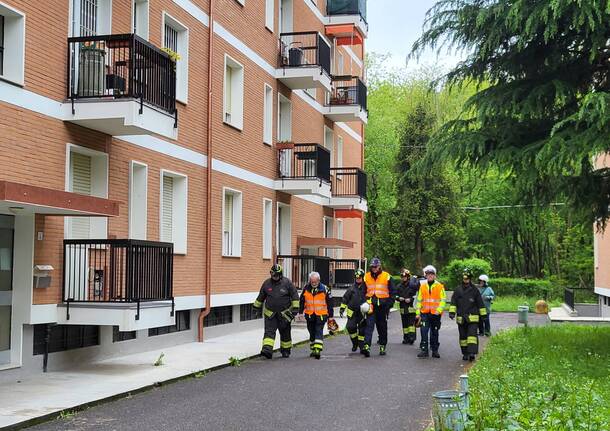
173,55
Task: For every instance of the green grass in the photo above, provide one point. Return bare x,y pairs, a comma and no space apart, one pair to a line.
510,303
554,377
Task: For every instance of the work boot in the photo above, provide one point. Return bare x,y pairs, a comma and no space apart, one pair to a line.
405,340
435,354
423,354
465,357
488,334
354,345
366,351
382,350
285,354
316,353
471,358
267,354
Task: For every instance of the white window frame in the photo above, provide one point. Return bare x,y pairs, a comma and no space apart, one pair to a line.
340,227
143,21
179,211
138,217
104,18
237,222
98,228
330,146
14,45
233,116
268,114
339,151
339,63
269,14
267,228
329,252
281,99
241,2
182,65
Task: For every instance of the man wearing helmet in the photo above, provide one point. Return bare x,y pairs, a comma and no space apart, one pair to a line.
405,295
353,298
428,312
380,293
467,308
316,304
488,296
281,300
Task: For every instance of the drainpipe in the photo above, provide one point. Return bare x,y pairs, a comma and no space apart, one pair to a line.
208,222
362,152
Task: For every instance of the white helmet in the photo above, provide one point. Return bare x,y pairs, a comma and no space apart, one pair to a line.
484,278
365,307
430,268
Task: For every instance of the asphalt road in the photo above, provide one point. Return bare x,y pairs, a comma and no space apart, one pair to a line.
342,391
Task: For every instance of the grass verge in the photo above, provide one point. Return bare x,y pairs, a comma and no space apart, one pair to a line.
510,303
552,377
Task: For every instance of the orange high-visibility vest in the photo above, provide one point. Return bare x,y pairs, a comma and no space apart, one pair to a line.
315,304
379,286
431,299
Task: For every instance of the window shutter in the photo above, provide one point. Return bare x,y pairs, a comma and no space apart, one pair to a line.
81,184
167,209
228,224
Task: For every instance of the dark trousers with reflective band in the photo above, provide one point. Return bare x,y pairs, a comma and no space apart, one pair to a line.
272,324
408,323
315,326
469,342
484,325
430,325
356,328
379,318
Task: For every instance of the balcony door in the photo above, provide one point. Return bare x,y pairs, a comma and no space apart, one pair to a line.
285,16
284,234
6,286
284,134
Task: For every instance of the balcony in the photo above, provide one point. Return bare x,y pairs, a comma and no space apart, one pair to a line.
304,61
121,282
346,21
348,188
303,169
347,100
121,85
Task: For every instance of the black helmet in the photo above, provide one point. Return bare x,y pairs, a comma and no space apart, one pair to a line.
359,273
468,273
375,261
277,269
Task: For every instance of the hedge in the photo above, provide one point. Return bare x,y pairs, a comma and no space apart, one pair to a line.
540,289
452,274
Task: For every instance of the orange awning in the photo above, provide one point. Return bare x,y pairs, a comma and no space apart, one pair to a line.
345,34
304,241
348,214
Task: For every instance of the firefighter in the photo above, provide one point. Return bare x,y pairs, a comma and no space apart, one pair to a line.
353,298
428,311
281,300
406,293
467,308
380,293
316,304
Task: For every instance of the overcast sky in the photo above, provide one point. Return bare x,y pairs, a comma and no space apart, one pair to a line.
393,27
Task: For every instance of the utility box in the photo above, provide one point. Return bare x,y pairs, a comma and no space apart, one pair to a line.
42,276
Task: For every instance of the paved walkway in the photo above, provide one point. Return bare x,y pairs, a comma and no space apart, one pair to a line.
343,391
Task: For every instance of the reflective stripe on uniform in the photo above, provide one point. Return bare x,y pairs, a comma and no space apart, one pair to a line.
402,311
257,304
463,343
473,318
483,311
411,310
285,344
268,313
295,304
350,313
360,337
354,335
268,341
459,320
452,309
405,330
411,329
472,340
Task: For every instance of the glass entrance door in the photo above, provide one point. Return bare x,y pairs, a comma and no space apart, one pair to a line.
6,286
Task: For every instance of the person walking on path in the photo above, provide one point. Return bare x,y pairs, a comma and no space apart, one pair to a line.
380,293
467,308
353,298
488,296
429,310
316,304
406,293
281,300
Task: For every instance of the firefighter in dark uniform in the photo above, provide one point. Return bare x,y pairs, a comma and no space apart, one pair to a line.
406,293
281,301
467,307
316,304
380,293
353,298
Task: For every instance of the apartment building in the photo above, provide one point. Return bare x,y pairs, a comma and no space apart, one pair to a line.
159,155
601,246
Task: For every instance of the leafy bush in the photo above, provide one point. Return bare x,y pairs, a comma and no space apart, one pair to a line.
539,289
452,273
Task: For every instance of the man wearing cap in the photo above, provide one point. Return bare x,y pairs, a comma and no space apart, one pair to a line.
380,293
428,312
353,298
316,304
467,308
406,293
281,301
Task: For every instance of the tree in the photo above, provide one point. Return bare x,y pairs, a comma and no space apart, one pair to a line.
541,111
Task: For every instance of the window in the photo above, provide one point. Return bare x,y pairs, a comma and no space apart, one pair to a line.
138,214
233,93
12,44
65,337
219,316
183,323
339,62
91,17
284,112
269,6
174,210
118,336
140,18
268,115
231,223
87,175
175,37
267,228
246,312
339,252
329,144
339,152
328,233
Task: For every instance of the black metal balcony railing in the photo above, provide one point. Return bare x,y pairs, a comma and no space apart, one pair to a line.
298,268
348,182
121,66
304,161
304,49
346,7
348,90
117,270
568,298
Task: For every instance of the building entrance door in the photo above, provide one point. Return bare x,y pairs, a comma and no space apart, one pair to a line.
7,224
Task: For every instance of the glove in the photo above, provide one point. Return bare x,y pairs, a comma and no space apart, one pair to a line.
341,312
400,299
408,300
257,312
452,316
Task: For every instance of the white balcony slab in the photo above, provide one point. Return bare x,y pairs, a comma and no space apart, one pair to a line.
313,187
302,78
346,113
348,203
